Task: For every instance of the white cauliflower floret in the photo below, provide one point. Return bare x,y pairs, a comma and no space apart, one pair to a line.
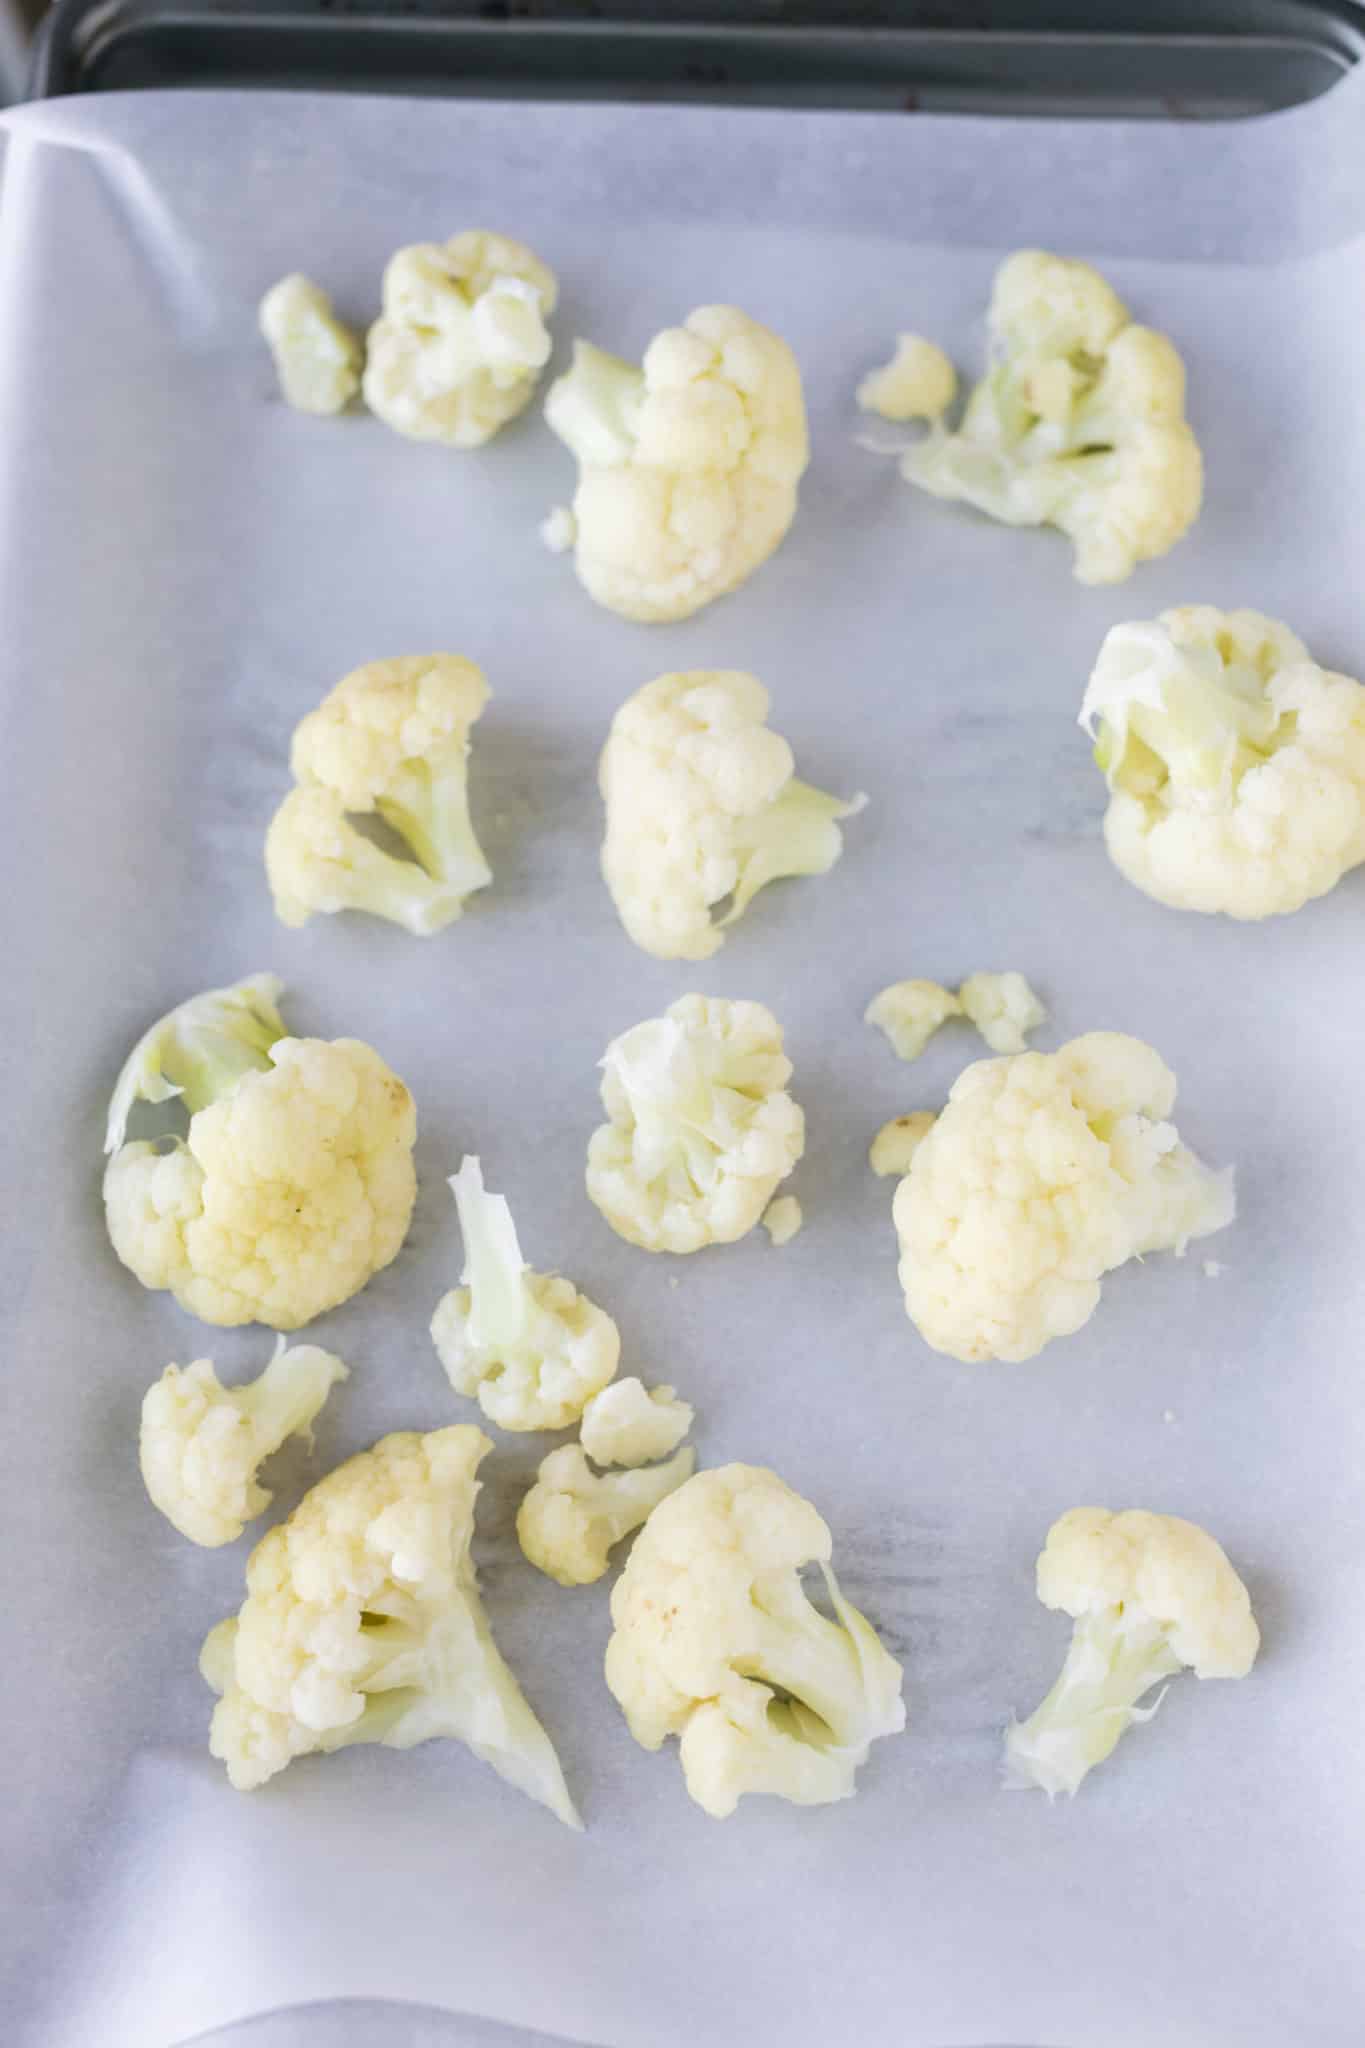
1150,1595
627,1424
782,1219
1041,1174
317,357
702,806
294,1183
1079,423
363,1623
392,740
715,1641
919,382
1236,765
1003,1009
573,1517
897,1142
701,1130
528,1346
462,340
688,467
909,1013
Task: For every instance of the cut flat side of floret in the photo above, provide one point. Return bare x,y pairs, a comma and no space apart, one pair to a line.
318,358
897,1142
629,1424
199,1050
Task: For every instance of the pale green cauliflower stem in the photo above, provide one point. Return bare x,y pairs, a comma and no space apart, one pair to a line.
1236,766
1041,1174
200,1442
363,1623
1150,1595
1079,423
627,1424
318,359
573,1517
716,1642
688,467
701,1129
919,383
702,806
527,1346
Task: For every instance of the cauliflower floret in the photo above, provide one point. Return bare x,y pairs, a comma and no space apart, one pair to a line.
688,467
1236,765
200,1442
897,1142
573,1517
1003,1009
317,357
1079,424
363,1623
1043,1173
628,1425
701,1130
919,382
528,1346
1150,1595
559,530
909,1013
702,805
782,1219
462,340
716,1642
294,1183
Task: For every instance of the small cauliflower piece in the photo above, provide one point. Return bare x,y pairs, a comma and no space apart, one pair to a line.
200,1442
1003,1009
627,1424
688,467
1150,1596
573,1517
701,1129
1236,766
782,1219
1078,424
703,805
1042,1173
919,382
462,339
559,530
294,1183
897,1142
715,1641
363,1623
527,1346
909,1013
318,358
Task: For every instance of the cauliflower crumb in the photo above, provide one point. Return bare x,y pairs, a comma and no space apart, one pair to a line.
1003,1008
1212,1268
782,1219
910,1012
897,1142
559,530
919,383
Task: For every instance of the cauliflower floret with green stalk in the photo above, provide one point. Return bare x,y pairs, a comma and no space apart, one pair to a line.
919,382
701,1129
897,1142
1042,1173
629,1424
1003,1008
294,1182
703,806
527,1346
573,1518
1150,1596
391,740
1078,424
908,1013
201,1442
318,358
1236,766
462,340
715,1641
688,467
363,1623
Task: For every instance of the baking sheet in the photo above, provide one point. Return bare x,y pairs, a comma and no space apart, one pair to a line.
186,567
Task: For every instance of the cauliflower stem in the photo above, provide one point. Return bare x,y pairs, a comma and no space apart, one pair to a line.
199,1051
1114,1659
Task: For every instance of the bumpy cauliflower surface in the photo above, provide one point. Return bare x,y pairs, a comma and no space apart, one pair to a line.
688,467
1079,423
1150,1596
897,1142
1236,766
908,1013
702,805
363,1623
919,382
629,1424
462,339
573,1518
701,1129
1003,1009
200,1442
1041,1174
294,1183
716,1642
318,358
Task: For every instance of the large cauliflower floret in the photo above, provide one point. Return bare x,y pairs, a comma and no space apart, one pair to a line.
528,1346
688,467
716,1642
363,1623
317,357
462,339
1041,1174
200,1442
573,1517
294,1182
702,805
1236,765
1079,423
630,1424
701,1130
1150,1596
